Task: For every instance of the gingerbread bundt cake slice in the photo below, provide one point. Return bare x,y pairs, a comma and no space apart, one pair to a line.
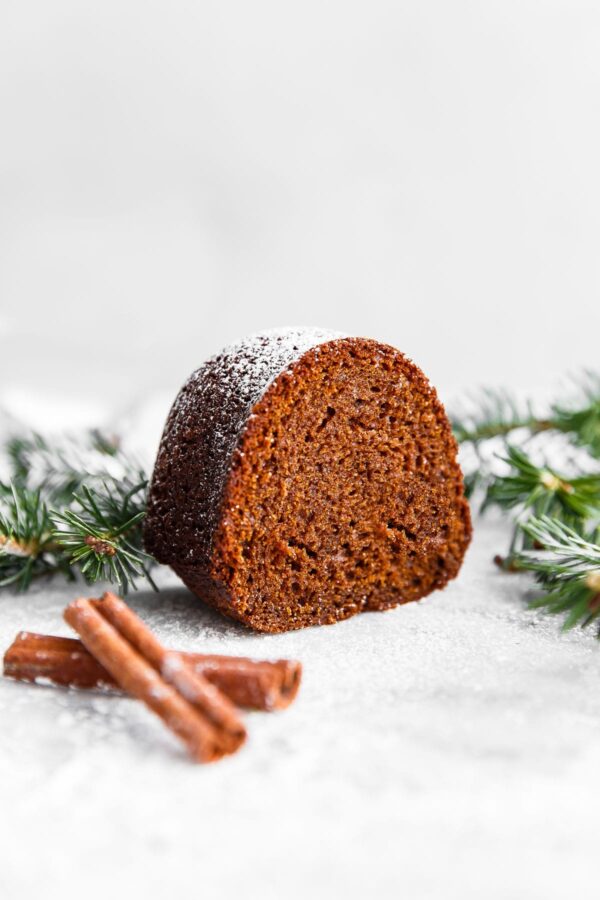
305,476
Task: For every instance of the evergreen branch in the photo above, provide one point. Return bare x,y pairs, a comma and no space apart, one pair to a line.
59,468
567,568
495,413
581,420
532,490
27,549
72,504
103,539
543,490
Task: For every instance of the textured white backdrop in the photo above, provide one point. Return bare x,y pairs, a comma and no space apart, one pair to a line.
174,175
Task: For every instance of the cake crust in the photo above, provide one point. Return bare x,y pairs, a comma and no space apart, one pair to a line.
304,477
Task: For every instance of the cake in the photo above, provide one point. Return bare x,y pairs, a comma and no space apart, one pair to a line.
305,476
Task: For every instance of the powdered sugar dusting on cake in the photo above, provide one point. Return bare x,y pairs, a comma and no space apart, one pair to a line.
252,363
205,426
247,367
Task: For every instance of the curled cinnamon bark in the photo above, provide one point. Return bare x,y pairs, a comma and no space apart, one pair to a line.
45,659
194,688
208,733
249,683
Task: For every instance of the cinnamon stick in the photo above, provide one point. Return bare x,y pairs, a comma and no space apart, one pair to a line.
138,676
249,683
196,689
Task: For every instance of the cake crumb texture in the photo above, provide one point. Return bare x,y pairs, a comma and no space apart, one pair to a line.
304,477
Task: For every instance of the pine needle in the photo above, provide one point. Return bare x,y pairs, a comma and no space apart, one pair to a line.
504,448
567,567
72,505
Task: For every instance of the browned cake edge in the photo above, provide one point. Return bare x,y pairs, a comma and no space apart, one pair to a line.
198,564
202,432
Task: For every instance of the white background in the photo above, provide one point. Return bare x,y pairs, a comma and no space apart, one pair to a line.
175,175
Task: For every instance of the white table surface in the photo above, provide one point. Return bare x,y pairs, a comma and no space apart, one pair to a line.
444,749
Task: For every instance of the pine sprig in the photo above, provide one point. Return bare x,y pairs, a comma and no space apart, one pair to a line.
494,413
27,548
581,419
544,490
555,513
103,536
59,467
498,414
72,505
567,568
